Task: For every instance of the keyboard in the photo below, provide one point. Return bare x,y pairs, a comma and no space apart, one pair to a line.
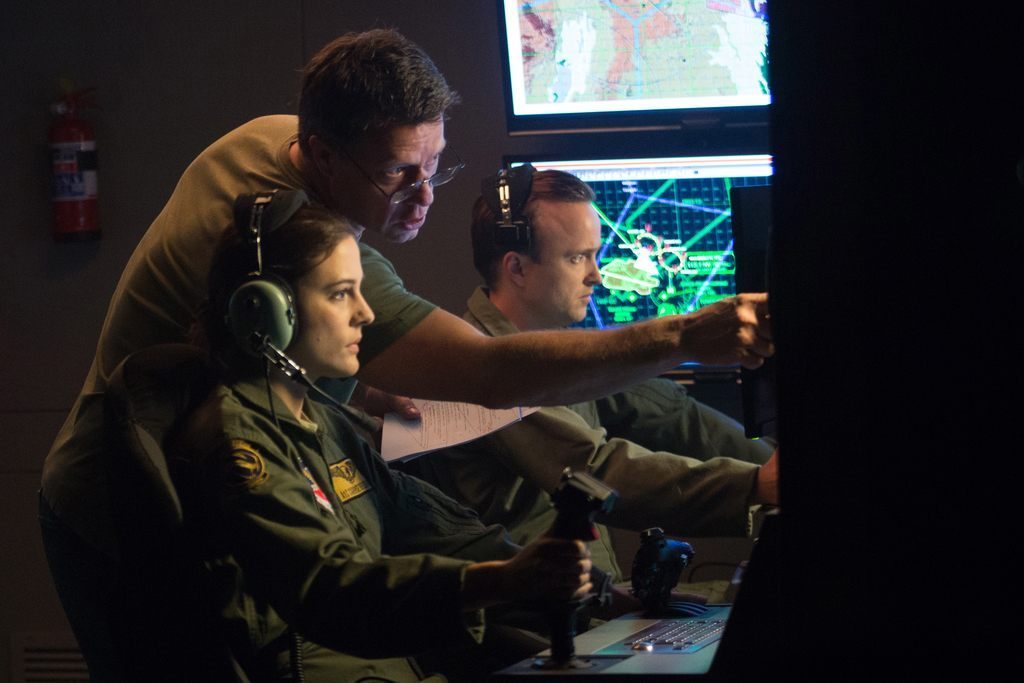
675,635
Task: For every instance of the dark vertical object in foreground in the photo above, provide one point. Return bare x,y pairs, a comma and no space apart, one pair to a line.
898,217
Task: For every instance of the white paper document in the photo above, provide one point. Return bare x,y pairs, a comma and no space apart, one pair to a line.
444,423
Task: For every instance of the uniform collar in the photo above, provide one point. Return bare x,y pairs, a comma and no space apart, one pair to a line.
253,390
486,316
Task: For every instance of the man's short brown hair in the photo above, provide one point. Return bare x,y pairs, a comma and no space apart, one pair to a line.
551,185
362,83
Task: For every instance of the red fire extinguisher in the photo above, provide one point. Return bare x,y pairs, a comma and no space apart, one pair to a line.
73,158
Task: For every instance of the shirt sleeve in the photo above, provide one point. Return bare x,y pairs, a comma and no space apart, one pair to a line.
396,309
683,495
427,518
660,414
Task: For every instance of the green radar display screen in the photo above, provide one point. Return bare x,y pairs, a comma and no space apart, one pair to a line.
666,231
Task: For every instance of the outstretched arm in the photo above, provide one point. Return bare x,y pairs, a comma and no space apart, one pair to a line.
444,357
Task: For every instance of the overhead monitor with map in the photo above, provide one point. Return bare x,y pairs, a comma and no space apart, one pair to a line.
574,65
666,230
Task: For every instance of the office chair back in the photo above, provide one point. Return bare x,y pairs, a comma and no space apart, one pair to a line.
164,624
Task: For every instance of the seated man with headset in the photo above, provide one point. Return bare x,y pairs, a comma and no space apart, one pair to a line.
676,464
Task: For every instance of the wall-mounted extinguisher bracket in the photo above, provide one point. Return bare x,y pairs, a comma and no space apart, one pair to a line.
73,164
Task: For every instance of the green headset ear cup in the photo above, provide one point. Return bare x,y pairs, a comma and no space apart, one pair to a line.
262,308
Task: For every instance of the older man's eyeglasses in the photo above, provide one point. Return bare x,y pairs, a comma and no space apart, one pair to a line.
439,178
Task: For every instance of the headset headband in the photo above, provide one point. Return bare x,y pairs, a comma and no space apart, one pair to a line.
506,194
261,213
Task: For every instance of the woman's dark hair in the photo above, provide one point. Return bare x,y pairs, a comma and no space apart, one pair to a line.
288,252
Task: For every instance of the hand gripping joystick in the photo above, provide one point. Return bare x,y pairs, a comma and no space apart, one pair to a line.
578,499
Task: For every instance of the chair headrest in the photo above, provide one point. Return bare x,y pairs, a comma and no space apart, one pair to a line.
149,392
161,383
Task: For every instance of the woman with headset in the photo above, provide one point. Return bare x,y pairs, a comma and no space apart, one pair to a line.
318,545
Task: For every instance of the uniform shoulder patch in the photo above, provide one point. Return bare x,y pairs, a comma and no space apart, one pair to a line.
244,468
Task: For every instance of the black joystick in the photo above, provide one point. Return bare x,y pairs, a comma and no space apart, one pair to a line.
578,498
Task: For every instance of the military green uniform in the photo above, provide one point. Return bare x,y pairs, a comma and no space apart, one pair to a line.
506,476
307,526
